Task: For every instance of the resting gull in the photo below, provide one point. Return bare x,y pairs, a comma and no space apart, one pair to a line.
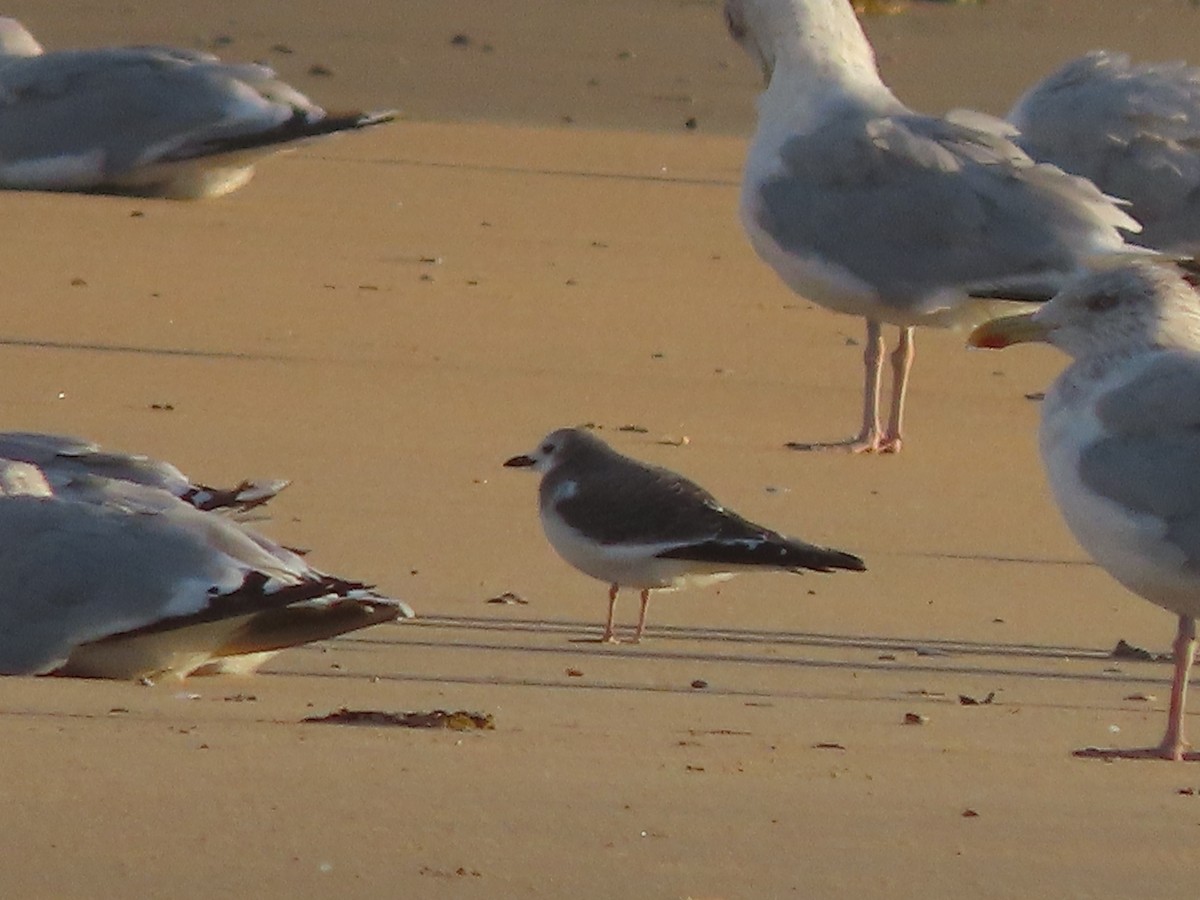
1120,440
62,460
1134,130
149,121
873,210
121,580
635,525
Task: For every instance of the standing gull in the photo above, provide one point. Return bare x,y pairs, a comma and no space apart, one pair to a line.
1134,130
148,121
1120,440
121,580
873,210
635,525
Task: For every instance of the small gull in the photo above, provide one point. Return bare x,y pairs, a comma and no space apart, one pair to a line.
1120,441
873,210
63,460
148,121
121,580
640,526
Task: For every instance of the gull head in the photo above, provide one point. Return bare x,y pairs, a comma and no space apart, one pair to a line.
15,40
559,447
814,40
746,25
1125,310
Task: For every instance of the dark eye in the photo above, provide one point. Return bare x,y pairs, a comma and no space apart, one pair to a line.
736,29
547,449
1101,302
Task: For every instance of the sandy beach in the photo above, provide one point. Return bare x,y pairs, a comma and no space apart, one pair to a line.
542,241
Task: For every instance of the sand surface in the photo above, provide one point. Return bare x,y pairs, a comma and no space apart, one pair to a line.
384,318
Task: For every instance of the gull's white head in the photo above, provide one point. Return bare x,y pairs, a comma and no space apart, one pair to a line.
1122,311
16,41
819,38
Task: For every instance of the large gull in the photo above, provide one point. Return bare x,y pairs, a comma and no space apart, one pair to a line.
1134,130
870,209
150,121
1120,441
635,525
113,579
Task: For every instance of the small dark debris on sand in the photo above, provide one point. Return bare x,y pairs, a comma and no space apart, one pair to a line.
964,700
459,720
508,598
1125,650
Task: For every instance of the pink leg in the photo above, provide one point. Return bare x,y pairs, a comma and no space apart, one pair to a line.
868,438
641,626
1173,746
902,360
609,637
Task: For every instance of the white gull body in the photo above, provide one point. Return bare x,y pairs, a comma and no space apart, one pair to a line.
150,121
870,209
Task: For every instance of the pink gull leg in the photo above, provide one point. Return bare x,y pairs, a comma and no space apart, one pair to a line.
1173,746
902,360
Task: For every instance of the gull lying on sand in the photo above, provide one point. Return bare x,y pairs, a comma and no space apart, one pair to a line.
870,209
120,580
150,121
635,525
1134,130
1120,440
63,460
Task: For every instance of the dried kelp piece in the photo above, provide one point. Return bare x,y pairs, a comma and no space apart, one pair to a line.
459,720
1126,650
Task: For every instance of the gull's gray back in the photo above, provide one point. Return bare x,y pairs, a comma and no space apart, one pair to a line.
913,205
1133,130
1149,462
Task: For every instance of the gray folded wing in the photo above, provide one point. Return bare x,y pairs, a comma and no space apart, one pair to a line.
118,560
1133,130
72,573
75,118
913,205
1148,460
66,460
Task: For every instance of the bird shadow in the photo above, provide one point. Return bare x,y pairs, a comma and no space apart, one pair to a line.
902,657
93,347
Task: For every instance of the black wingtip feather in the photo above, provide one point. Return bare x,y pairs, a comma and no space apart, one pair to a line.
299,127
780,554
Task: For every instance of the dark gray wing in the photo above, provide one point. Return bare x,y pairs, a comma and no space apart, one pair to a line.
913,204
623,501
626,502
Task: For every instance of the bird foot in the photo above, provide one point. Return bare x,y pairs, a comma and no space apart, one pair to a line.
1168,752
856,445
